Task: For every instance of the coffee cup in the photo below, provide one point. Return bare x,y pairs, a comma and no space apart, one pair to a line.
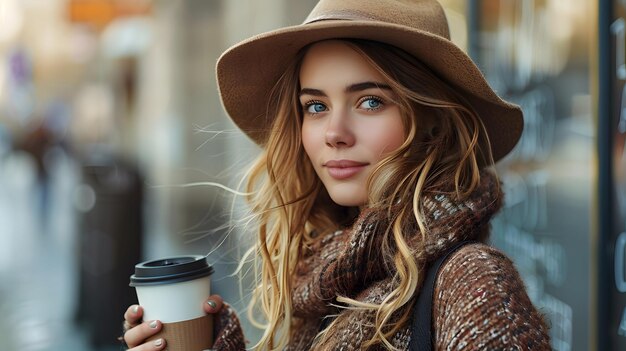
172,290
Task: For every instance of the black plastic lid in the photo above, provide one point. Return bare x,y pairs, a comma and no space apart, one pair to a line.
170,270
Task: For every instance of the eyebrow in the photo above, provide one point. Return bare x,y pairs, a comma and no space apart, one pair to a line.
349,89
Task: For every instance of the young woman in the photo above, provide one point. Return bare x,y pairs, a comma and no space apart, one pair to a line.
378,135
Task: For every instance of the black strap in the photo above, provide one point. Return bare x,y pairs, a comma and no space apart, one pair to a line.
421,325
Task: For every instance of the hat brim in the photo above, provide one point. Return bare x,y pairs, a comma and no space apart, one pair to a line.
247,72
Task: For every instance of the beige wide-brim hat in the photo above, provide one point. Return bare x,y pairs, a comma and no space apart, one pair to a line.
247,72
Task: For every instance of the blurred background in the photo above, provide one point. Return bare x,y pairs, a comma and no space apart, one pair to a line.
110,123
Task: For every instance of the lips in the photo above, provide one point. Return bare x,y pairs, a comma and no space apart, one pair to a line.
343,169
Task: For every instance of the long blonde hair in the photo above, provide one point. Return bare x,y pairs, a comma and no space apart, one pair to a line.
446,144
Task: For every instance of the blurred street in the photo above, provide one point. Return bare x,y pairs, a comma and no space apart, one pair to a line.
38,257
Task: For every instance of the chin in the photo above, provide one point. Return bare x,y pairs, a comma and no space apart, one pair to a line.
348,197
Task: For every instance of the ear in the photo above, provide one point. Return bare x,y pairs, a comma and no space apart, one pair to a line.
428,125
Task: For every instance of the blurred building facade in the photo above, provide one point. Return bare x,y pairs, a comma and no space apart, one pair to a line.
133,84
544,65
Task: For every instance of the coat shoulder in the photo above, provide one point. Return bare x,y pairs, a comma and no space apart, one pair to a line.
470,257
480,302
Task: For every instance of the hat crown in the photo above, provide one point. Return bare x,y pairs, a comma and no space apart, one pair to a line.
425,15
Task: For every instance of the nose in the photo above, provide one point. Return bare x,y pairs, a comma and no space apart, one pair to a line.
339,131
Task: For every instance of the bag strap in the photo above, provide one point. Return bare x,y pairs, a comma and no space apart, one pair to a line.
421,325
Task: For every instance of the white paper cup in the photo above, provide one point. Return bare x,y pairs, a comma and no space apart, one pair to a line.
173,290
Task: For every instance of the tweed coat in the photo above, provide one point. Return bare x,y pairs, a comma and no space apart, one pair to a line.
480,301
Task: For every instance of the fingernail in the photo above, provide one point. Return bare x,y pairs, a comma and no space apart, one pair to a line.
212,303
158,342
153,324
136,309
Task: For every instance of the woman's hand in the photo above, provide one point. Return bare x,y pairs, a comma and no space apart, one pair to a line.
213,304
136,332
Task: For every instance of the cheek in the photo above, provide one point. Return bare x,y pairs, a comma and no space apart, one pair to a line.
386,137
395,136
308,140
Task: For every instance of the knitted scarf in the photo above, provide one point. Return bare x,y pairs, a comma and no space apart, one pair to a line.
350,263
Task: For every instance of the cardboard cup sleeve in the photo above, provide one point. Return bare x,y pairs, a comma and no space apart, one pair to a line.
190,335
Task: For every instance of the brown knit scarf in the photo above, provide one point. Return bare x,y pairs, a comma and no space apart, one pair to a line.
350,263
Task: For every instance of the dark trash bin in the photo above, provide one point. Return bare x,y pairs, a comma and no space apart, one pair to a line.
111,231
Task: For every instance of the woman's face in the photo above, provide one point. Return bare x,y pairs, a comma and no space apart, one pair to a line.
350,122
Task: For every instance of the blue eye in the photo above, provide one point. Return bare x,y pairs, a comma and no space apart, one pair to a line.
315,107
371,103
